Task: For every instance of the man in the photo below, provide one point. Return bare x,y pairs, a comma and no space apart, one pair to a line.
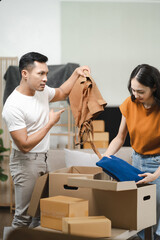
29,120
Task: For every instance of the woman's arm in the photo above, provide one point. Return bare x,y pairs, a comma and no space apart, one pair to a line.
118,141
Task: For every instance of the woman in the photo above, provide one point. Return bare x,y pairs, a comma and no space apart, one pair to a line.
141,118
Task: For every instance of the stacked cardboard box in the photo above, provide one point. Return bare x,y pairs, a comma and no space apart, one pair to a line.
70,215
53,209
101,138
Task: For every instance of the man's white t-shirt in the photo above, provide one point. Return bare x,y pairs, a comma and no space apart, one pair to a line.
30,112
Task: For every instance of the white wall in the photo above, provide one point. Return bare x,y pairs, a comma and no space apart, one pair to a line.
32,25
112,38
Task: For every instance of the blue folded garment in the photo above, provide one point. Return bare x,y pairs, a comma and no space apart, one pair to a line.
119,169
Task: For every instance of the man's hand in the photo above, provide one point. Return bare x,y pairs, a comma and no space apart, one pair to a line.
26,142
148,177
55,116
63,91
80,71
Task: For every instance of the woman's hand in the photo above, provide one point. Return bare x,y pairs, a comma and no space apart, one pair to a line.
148,177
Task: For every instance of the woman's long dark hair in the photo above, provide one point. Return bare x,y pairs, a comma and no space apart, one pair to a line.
148,76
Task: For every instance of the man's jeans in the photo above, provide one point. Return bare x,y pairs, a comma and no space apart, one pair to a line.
25,169
149,163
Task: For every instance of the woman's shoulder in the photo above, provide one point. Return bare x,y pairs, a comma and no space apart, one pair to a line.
130,105
127,101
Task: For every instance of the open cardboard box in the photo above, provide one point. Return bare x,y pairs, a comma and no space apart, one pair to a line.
127,205
57,185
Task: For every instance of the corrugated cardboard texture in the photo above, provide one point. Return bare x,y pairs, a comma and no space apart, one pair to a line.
125,204
100,139
98,144
53,209
102,136
128,209
95,226
98,126
101,184
40,191
131,209
58,183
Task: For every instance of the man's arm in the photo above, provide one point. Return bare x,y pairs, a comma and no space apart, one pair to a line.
63,91
25,143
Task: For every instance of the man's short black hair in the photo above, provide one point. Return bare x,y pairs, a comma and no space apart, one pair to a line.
27,60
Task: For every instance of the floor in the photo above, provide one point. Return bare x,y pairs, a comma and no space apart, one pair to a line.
5,219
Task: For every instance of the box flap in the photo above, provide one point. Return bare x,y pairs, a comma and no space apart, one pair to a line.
101,184
63,170
40,191
80,170
87,170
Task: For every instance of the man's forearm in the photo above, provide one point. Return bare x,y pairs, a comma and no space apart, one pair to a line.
67,86
32,140
25,143
64,90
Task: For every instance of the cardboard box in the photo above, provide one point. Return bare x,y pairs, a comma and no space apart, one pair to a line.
95,226
101,140
98,125
58,183
41,187
127,205
101,136
53,209
98,144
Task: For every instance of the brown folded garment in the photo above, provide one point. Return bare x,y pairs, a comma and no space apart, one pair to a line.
86,103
